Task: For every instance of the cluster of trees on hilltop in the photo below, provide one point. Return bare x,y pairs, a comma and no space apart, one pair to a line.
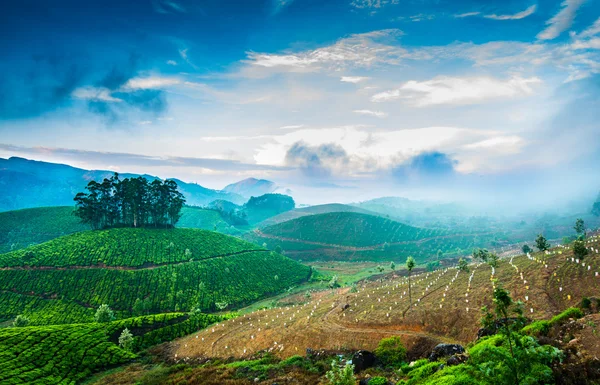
255,210
131,202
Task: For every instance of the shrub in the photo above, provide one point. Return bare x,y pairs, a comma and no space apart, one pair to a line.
579,249
126,339
537,328
586,303
391,351
572,312
104,314
21,321
341,376
378,381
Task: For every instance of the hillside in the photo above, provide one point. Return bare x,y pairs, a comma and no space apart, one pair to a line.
22,228
251,187
446,308
67,354
26,183
355,236
157,270
312,210
206,219
265,206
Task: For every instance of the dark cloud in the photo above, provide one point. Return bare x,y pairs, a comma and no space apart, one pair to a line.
316,161
39,84
424,167
42,83
125,159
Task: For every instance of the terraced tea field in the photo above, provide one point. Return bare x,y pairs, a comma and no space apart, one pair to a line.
348,236
167,270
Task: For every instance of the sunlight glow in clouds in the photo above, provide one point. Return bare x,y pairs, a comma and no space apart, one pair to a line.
447,90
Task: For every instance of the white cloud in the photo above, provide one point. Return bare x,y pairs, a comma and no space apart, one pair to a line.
150,82
467,14
421,17
385,96
497,141
353,79
458,91
291,127
562,20
95,93
279,5
171,62
377,114
517,16
357,50
369,151
593,30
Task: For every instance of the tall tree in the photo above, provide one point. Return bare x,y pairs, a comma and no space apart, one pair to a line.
542,243
580,228
410,265
463,265
130,202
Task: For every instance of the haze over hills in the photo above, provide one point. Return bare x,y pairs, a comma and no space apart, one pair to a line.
27,183
251,187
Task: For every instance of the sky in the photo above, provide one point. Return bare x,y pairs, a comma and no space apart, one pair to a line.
339,100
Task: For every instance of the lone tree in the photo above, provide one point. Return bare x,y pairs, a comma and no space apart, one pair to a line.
392,266
334,282
21,321
410,265
542,243
481,255
463,265
579,228
126,339
504,306
526,249
579,249
493,260
104,314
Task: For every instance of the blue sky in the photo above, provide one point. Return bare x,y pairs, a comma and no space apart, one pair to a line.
344,99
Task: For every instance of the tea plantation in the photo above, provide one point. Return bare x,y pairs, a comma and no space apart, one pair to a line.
357,236
66,354
22,228
139,270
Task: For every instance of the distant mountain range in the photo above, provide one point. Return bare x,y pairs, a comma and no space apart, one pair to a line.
27,183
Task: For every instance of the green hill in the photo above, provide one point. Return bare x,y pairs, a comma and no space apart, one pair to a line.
199,218
355,236
67,354
312,210
131,269
22,228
